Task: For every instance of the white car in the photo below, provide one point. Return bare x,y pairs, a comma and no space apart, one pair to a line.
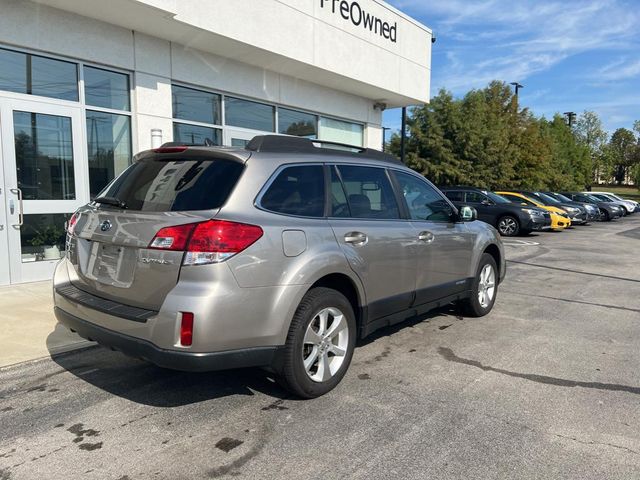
629,205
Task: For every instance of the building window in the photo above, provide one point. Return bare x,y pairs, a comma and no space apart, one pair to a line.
247,114
195,134
195,105
35,75
300,124
13,71
340,131
109,147
106,89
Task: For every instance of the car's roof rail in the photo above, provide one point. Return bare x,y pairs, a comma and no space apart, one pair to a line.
287,144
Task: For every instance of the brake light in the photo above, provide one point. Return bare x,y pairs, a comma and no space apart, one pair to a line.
186,329
173,238
207,242
72,223
176,149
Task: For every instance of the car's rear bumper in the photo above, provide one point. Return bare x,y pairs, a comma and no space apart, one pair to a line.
177,360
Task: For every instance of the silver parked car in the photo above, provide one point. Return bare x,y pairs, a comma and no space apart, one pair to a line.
280,255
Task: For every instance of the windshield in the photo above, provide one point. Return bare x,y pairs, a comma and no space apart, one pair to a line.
601,198
561,197
590,198
496,198
547,198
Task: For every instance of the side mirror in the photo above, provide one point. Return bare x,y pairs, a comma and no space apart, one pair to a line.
468,214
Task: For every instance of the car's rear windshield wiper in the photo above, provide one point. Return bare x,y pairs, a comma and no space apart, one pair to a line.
115,202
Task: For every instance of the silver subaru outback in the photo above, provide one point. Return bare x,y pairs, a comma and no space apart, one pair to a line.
279,255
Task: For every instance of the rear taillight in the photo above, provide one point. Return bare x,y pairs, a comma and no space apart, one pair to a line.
173,238
186,329
207,242
71,224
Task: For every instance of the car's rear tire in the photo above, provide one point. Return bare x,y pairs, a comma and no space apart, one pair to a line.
508,226
319,345
484,289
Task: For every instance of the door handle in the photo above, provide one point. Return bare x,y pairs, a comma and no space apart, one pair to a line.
426,237
356,238
18,192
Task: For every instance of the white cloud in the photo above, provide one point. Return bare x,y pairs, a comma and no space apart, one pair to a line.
621,69
500,39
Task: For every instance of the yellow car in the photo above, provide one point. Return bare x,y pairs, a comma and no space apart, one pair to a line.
559,218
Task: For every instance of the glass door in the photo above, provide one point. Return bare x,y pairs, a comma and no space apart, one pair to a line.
45,181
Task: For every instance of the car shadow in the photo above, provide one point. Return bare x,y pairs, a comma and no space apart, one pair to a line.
444,311
147,384
144,383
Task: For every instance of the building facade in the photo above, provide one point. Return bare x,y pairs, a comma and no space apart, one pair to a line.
84,84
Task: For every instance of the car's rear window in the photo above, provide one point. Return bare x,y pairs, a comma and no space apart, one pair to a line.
177,185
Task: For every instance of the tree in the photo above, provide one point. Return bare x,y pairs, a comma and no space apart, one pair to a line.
622,150
591,134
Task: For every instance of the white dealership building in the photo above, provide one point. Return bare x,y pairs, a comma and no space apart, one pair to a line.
84,84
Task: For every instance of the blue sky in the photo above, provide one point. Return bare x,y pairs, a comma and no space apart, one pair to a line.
571,55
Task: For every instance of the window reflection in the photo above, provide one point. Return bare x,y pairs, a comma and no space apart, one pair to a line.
53,78
195,105
246,114
300,124
13,71
42,236
44,156
193,134
35,75
103,88
109,148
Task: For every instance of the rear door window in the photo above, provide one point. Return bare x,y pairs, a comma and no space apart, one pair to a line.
475,197
369,192
455,195
297,190
177,185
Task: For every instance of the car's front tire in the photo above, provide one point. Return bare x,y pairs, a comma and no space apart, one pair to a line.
508,226
319,345
484,288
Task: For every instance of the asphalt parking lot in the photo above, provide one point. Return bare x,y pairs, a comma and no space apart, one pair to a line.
547,386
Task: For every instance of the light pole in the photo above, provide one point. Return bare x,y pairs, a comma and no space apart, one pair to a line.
402,132
571,116
517,87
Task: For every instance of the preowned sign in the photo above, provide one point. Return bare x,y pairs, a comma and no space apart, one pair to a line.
353,12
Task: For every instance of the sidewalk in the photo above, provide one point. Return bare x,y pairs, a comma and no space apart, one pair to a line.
28,328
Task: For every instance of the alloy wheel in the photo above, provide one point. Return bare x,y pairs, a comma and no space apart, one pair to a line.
507,226
486,285
325,344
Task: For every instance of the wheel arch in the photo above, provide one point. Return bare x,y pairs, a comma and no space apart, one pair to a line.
493,250
344,284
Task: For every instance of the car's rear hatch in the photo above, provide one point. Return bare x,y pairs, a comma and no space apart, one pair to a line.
109,249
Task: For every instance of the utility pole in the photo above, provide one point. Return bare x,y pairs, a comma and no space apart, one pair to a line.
403,129
571,116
